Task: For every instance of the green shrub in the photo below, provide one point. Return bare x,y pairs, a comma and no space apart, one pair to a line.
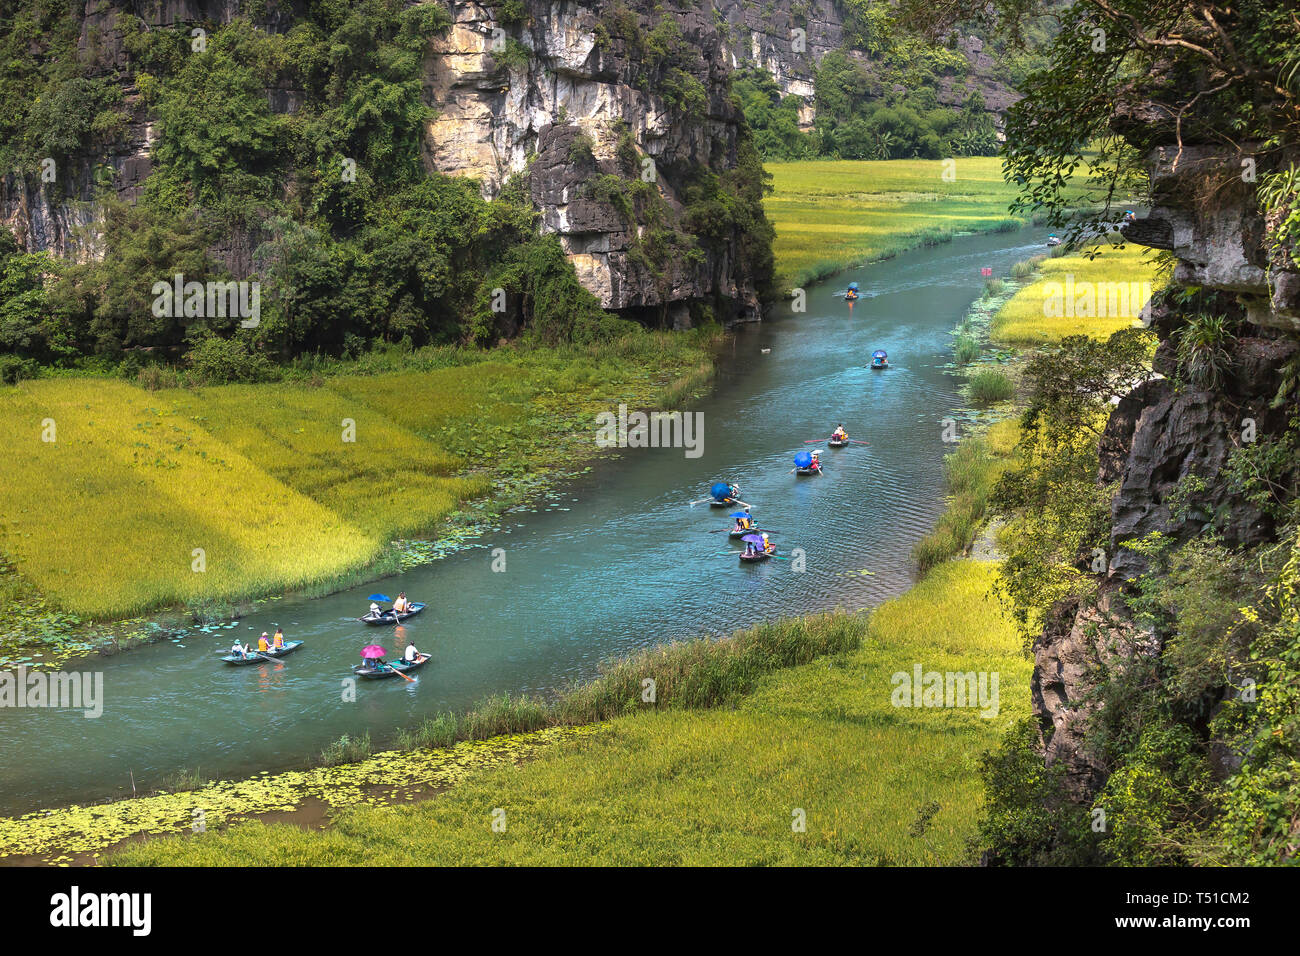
14,369
989,386
966,350
218,361
347,749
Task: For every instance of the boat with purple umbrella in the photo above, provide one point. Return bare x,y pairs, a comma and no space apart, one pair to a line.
757,547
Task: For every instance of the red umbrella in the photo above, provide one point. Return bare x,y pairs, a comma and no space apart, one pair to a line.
373,651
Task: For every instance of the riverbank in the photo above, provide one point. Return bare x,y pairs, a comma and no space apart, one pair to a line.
216,499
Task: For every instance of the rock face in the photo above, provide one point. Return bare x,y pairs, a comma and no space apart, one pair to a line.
501,114
1207,215
1080,639
509,98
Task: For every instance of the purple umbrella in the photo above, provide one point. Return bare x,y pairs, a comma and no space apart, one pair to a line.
752,539
373,651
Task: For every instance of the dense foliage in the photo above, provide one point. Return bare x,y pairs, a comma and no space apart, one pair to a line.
1196,735
295,157
860,114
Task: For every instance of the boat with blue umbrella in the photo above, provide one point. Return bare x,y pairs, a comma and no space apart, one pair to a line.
744,524
723,494
807,463
879,359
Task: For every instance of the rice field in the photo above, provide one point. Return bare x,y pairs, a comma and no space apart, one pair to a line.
815,766
832,214
288,484
1074,295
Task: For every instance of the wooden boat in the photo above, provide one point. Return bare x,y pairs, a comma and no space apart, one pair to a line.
881,364
834,443
808,471
259,657
390,668
387,617
737,534
724,503
755,555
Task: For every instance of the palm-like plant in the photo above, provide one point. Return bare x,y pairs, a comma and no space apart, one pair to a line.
1203,353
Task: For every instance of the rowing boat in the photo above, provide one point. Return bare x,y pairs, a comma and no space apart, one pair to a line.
724,503
387,617
808,471
741,532
755,555
836,443
391,669
259,657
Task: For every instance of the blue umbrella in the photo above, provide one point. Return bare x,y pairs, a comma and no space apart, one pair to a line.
752,539
720,490
853,286
379,597
739,514
802,459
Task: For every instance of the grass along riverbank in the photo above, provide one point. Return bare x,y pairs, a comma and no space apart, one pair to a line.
820,743
297,484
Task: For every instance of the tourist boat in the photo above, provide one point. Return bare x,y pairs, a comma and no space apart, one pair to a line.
389,668
259,657
388,617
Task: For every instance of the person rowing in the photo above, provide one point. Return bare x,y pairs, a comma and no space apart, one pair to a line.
839,434
375,610
744,522
411,655
768,546
238,650
401,605
816,461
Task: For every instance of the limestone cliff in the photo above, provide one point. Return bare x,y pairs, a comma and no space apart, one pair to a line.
1167,430
509,98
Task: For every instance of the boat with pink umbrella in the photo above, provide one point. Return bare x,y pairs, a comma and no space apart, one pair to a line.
376,668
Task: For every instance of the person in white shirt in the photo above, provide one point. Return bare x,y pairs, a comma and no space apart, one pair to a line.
411,655
238,650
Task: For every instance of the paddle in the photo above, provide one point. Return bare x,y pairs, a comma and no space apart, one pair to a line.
409,680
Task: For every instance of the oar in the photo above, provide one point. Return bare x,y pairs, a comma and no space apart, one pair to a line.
265,658
699,501
409,680
856,442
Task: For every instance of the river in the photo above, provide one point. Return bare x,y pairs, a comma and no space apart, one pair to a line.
615,562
